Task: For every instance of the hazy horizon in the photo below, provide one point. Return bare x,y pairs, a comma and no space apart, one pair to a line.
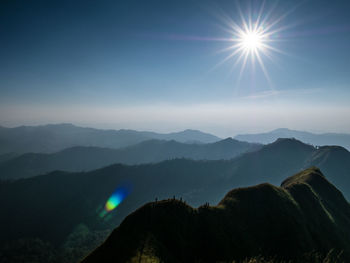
165,131
170,66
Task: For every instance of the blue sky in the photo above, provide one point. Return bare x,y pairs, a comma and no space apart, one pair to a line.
152,65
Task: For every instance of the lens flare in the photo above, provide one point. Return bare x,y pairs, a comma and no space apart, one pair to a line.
116,198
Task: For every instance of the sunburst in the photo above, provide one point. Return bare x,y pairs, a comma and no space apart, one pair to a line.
253,38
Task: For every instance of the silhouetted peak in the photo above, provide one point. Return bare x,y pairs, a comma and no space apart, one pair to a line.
307,176
228,140
289,142
231,142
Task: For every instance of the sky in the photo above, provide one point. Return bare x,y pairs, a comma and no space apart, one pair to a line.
161,65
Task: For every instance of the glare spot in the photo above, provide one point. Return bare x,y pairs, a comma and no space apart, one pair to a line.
116,198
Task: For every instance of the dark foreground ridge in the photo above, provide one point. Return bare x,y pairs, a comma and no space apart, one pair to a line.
306,215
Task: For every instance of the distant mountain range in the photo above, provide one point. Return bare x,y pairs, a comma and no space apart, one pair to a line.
304,219
53,138
56,137
81,158
50,207
306,137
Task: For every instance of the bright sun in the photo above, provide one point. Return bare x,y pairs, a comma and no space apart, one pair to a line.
251,41
253,38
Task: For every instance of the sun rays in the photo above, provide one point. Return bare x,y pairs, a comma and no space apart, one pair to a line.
252,37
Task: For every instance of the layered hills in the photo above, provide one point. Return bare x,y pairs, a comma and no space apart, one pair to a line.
82,158
29,207
307,137
306,215
57,137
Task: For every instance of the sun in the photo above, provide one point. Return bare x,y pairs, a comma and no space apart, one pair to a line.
253,38
251,41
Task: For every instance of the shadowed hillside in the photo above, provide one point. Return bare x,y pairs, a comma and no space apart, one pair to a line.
305,215
29,206
78,159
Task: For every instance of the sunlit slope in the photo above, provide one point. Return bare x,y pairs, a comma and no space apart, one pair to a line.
307,214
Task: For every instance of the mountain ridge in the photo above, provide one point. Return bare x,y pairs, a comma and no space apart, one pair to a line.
85,158
321,139
262,220
55,137
29,206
